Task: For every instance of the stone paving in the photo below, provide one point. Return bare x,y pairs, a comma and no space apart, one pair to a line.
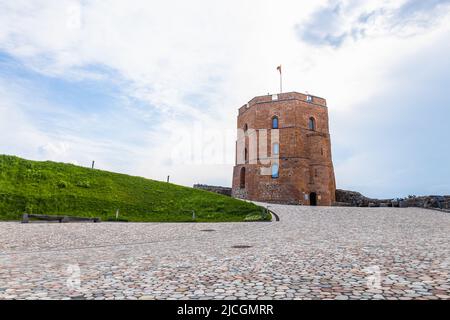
312,253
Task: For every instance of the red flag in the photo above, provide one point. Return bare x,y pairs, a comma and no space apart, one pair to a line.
279,68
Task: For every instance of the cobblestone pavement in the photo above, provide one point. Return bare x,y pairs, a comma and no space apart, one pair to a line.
312,253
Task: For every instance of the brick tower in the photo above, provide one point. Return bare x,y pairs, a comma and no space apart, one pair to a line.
283,151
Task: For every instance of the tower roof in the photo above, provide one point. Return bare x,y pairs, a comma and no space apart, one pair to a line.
271,98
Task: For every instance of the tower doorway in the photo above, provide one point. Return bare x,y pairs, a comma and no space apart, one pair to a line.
313,199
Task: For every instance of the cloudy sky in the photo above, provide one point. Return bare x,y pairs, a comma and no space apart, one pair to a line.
152,88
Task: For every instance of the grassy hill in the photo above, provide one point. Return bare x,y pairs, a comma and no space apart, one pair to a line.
65,189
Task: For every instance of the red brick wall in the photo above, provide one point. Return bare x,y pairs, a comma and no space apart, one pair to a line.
305,163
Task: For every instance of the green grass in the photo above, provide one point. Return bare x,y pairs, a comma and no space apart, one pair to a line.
64,189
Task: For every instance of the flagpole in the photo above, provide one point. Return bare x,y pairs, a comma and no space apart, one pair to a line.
281,82
281,78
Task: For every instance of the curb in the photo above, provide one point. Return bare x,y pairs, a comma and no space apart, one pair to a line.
277,218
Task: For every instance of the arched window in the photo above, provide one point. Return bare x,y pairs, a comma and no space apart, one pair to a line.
245,155
275,122
242,178
312,124
275,170
245,127
275,149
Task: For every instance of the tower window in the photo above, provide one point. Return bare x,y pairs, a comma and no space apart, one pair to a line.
312,124
275,172
245,155
242,178
275,122
276,149
309,98
245,127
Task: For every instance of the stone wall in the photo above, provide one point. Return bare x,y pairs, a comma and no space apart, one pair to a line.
217,189
356,199
239,193
441,202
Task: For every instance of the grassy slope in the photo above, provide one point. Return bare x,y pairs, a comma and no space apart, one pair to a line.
57,188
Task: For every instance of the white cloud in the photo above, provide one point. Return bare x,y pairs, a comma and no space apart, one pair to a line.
350,20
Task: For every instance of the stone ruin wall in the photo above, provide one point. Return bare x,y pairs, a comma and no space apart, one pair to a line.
346,198
217,189
356,199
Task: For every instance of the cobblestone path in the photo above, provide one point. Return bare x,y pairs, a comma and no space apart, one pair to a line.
312,253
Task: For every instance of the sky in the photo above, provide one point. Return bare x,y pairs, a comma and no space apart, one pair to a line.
152,88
